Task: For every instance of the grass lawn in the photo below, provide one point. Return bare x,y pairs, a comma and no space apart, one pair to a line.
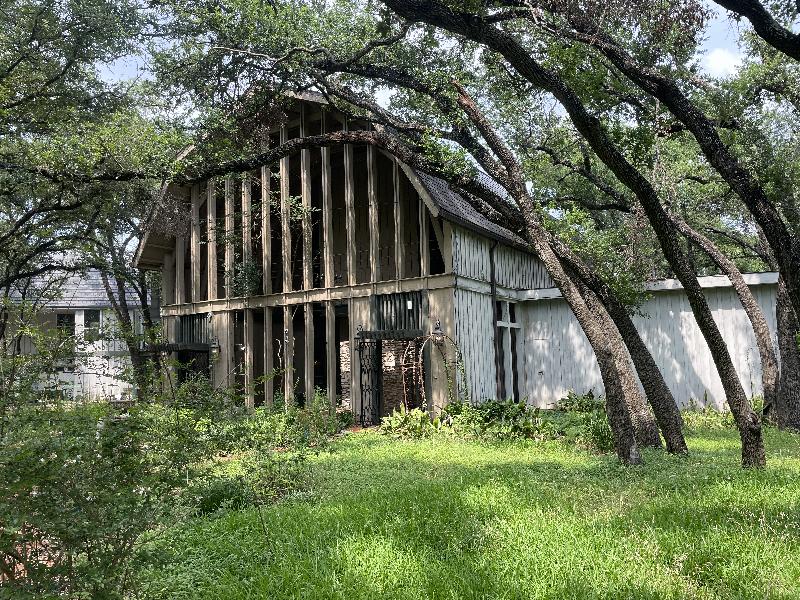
442,518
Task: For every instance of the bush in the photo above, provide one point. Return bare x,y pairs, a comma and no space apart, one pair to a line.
81,484
579,419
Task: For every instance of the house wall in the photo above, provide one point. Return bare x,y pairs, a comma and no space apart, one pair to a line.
558,357
98,369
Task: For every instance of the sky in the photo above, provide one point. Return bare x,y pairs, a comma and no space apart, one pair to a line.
721,53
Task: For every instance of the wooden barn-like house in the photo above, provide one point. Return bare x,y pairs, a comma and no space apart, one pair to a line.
344,270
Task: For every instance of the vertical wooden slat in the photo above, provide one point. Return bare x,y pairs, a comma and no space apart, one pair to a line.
266,235
249,358
399,224
286,233
211,225
180,275
168,279
288,356
308,317
269,362
247,220
374,223
424,246
327,212
194,248
305,196
229,228
331,351
350,215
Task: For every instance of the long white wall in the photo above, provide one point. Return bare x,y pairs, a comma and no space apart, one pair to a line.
558,357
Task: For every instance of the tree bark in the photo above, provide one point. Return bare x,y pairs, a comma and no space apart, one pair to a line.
787,403
658,393
785,247
644,423
609,356
477,29
766,349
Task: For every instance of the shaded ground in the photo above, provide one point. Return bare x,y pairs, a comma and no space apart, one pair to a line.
443,518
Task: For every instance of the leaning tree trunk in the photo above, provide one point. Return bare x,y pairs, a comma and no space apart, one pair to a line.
787,405
644,423
658,393
609,355
766,350
591,129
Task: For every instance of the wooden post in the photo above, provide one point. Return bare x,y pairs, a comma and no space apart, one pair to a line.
374,223
211,224
330,351
229,227
327,212
194,248
269,363
288,356
305,195
399,224
247,221
286,233
168,279
249,356
308,317
266,235
350,215
424,245
180,275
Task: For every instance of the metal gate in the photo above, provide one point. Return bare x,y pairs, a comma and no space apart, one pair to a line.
369,355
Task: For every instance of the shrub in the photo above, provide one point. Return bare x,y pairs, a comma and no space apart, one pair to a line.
414,423
579,419
80,484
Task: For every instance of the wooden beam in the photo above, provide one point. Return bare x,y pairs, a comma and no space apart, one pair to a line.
211,225
305,196
286,232
269,362
247,218
249,358
374,222
266,233
327,212
194,248
180,275
288,357
331,352
230,225
399,223
424,245
168,279
350,214
308,318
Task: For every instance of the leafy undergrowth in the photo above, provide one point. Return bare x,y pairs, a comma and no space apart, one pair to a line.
441,517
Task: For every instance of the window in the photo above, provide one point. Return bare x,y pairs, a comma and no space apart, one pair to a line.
91,325
509,341
65,324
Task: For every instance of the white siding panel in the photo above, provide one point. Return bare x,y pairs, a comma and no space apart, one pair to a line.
474,336
558,356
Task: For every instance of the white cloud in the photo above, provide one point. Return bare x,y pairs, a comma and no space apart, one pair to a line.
721,62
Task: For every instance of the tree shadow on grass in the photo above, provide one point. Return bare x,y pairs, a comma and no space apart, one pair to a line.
413,520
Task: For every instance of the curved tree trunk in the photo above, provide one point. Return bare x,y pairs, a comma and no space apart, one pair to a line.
644,423
766,350
609,356
479,30
658,393
787,404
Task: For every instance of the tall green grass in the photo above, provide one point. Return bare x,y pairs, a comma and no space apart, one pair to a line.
444,518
